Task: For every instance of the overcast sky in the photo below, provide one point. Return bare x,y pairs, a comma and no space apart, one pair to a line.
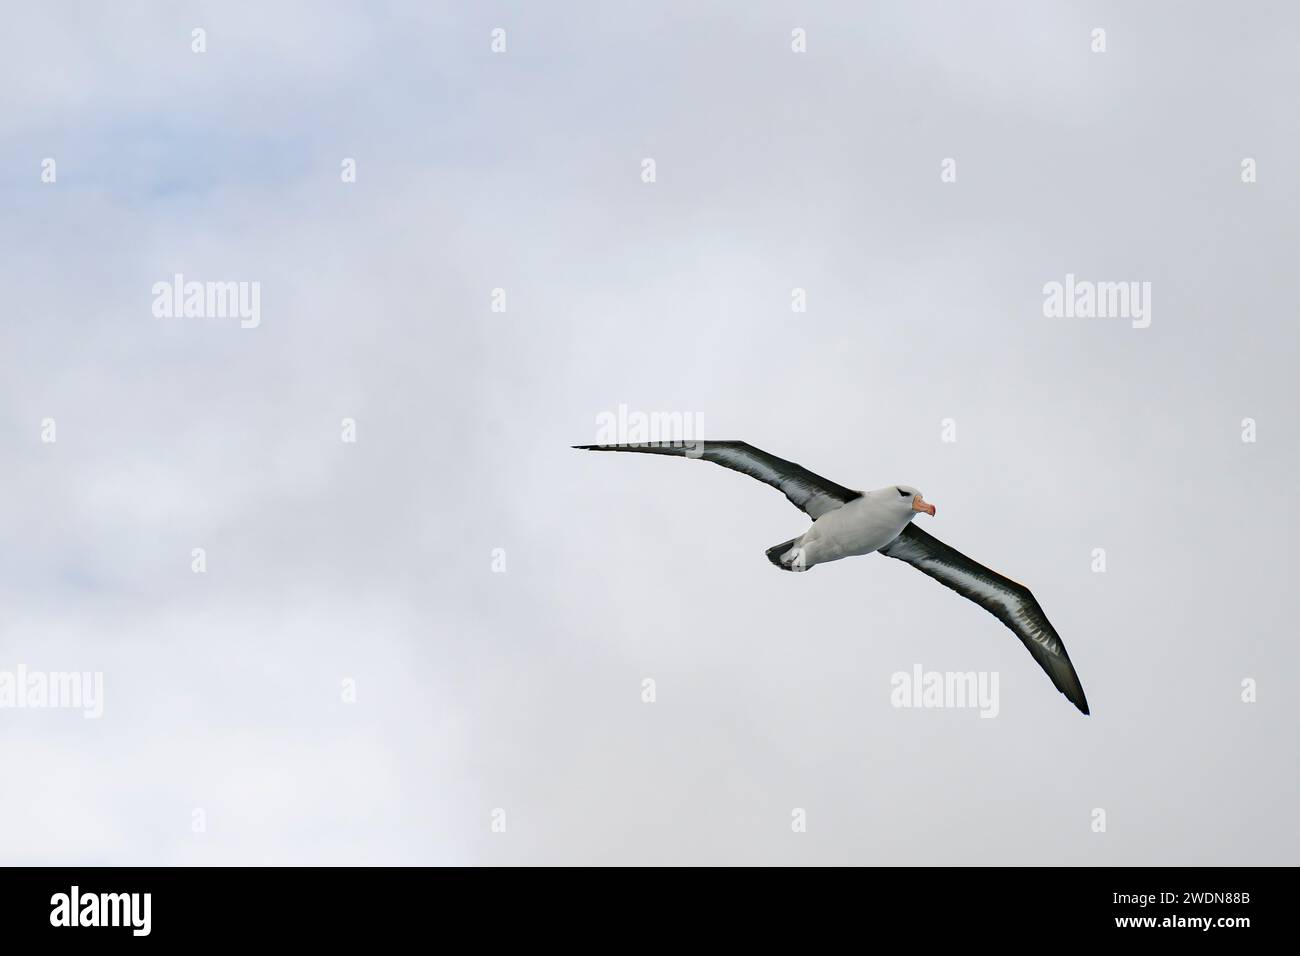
479,689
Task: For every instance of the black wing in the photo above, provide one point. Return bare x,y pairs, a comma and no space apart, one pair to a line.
810,493
1009,602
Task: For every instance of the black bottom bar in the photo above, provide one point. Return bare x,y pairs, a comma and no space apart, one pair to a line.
375,905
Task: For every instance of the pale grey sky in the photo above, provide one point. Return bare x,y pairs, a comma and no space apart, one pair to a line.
521,690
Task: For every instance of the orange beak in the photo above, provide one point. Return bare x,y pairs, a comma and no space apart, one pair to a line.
921,505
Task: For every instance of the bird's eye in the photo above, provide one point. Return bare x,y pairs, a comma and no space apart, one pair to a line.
903,493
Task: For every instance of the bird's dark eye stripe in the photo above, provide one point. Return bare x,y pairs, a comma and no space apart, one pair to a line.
903,493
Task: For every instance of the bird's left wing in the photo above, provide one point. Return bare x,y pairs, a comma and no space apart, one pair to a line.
1010,602
808,492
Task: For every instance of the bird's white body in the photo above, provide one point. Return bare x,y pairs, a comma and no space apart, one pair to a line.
862,526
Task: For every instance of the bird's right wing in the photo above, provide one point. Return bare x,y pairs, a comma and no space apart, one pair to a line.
808,492
1008,601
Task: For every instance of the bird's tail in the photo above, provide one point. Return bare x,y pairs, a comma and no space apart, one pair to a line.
792,563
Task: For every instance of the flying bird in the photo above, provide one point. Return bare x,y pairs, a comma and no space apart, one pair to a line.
848,523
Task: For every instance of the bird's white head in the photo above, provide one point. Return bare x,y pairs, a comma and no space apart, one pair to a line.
910,500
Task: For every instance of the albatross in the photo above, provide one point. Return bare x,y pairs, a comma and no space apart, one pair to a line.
848,523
